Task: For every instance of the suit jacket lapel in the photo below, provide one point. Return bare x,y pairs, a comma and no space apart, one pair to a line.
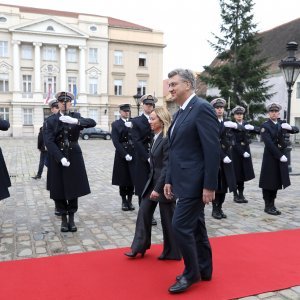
156,143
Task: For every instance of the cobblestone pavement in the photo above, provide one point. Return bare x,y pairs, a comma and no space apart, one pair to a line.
28,227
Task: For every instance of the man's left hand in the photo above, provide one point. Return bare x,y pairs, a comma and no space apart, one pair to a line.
68,119
208,196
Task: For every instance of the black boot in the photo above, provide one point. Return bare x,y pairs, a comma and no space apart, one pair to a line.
236,197
72,226
124,204
64,223
129,201
241,196
216,212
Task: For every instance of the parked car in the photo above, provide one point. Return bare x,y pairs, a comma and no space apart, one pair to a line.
94,132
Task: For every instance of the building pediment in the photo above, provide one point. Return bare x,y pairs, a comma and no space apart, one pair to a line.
93,72
4,67
48,26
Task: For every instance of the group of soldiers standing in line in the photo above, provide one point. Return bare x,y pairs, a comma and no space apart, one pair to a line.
132,139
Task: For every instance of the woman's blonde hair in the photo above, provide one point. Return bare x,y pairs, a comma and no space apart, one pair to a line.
165,117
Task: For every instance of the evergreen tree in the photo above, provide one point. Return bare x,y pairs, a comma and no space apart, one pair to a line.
239,73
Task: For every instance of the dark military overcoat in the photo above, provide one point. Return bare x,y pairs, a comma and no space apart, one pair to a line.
4,176
274,174
123,170
66,182
141,137
243,167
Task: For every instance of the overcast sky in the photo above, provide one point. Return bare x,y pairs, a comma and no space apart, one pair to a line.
187,24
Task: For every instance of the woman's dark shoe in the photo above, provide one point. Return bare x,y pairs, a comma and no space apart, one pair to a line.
163,257
133,254
72,226
64,223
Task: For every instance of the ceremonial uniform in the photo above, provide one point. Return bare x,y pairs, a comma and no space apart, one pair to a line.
274,173
4,176
66,178
241,155
123,169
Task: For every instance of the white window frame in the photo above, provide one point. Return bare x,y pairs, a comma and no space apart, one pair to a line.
93,86
142,87
298,90
27,83
50,81
72,54
27,116
26,51
93,55
142,59
4,113
3,48
118,55
49,53
93,113
118,87
72,82
4,83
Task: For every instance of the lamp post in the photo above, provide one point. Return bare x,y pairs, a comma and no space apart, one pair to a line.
137,98
290,67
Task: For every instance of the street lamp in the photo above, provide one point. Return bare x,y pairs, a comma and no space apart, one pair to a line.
137,98
290,67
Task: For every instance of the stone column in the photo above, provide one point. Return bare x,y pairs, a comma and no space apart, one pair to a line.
82,80
37,67
63,69
16,64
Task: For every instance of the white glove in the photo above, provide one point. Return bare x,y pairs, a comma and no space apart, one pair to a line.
226,159
128,124
246,154
249,127
283,158
286,126
65,162
128,157
68,119
230,124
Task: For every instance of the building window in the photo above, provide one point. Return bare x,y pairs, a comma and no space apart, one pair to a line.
27,82
118,58
93,28
3,19
93,55
142,59
72,86
93,86
118,87
72,55
4,113
49,87
50,28
141,89
3,49
298,90
27,116
26,52
49,53
93,114
3,83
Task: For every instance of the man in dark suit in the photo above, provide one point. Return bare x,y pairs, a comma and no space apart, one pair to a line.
123,169
192,176
142,138
274,169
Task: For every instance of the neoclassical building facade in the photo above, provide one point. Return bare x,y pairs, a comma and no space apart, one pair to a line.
103,61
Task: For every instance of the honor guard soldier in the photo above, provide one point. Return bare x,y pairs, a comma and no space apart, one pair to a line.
226,177
123,169
274,169
66,178
142,139
4,176
241,155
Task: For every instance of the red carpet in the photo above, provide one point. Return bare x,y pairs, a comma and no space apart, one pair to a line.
243,265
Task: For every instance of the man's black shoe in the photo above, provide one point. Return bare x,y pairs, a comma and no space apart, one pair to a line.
272,211
181,285
222,214
153,222
217,215
57,213
37,177
203,277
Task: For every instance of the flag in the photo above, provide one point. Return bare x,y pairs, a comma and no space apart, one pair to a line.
48,95
75,94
